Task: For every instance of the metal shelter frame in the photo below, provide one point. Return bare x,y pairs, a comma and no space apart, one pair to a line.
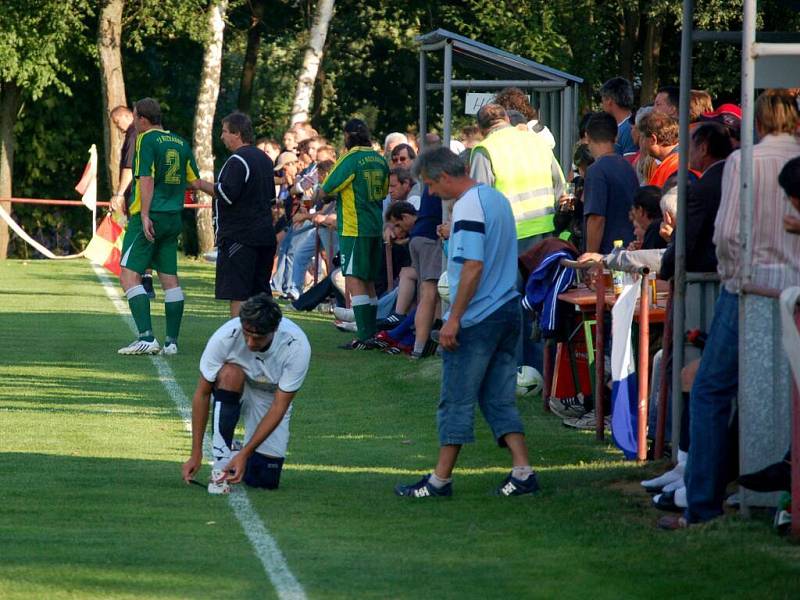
555,92
754,46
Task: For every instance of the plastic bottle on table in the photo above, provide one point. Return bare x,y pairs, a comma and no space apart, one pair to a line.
618,277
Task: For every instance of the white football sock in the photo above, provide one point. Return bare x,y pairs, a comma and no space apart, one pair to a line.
675,485
438,482
522,473
680,497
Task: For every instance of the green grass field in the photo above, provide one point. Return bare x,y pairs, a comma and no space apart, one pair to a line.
92,504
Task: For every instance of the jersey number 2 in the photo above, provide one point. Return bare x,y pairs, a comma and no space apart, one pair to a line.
173,160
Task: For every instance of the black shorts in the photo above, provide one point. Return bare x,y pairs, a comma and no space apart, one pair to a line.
263,471
242,271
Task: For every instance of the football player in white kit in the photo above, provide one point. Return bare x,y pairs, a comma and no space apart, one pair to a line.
253,365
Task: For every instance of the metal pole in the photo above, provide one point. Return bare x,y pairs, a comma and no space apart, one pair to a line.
448,92
456,84
644,365
423,105
746,186
316,254
663,388
679,293
795,476
760,50
547,366
567,124
389,267
748,120
599,355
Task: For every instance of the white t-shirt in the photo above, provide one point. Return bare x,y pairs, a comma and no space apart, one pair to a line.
284,365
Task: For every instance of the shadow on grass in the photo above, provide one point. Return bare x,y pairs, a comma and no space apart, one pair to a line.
90,527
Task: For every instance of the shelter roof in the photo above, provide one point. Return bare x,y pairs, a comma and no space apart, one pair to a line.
491,60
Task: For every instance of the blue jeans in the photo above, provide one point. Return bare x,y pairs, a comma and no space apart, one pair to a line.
386,304
281,280
482,371
304,242
714,389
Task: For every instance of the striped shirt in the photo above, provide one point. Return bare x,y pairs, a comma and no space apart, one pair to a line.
776,254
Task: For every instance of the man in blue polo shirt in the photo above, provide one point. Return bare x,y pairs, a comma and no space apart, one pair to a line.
482,328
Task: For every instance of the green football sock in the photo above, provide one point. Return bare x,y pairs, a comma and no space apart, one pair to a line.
139,304
361,310
360,313
371,317
173,311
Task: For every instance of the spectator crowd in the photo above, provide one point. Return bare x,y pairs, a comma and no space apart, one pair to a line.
421,249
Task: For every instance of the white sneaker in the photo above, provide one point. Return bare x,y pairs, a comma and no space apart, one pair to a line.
675,485
217,485
567,408
141,347
587,421
664,479
344,314
345,326
211,255
170,348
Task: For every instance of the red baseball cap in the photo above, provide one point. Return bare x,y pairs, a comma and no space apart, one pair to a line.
725,109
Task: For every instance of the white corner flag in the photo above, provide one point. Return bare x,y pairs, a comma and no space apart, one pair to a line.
87,186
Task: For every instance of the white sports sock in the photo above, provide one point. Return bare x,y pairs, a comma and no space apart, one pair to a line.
438,482
173,295
680,497
682,457
522,473
675,485
136,290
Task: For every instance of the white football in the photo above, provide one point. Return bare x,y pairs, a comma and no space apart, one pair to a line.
529,381
444,287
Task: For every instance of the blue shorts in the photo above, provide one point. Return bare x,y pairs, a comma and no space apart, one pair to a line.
482,371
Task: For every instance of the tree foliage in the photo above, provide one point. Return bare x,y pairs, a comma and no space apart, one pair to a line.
370,65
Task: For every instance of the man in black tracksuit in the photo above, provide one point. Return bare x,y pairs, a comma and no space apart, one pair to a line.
243,194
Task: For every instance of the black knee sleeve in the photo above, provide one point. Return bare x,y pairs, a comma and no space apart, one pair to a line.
263,471
226,403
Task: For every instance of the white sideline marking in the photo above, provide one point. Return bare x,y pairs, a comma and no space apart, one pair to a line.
265,546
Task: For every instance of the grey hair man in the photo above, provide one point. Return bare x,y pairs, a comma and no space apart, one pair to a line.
481,330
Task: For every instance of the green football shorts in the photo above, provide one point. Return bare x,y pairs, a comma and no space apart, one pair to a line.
361,257
138,254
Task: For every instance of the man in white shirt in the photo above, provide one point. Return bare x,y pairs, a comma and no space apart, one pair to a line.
254,364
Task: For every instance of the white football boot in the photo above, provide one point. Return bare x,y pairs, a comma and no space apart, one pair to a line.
141,347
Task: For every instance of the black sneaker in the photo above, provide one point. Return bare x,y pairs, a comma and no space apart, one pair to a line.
776,477
512,486
358,345
389,322
423,489
147,284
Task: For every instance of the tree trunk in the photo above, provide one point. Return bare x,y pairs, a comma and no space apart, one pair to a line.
629,38
650,60
9,105
311,60
251,55
204,117
109,38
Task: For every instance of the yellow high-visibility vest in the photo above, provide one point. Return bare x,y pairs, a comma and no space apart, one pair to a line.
521,164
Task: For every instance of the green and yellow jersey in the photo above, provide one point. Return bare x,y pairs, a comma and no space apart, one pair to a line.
168,159
361,179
